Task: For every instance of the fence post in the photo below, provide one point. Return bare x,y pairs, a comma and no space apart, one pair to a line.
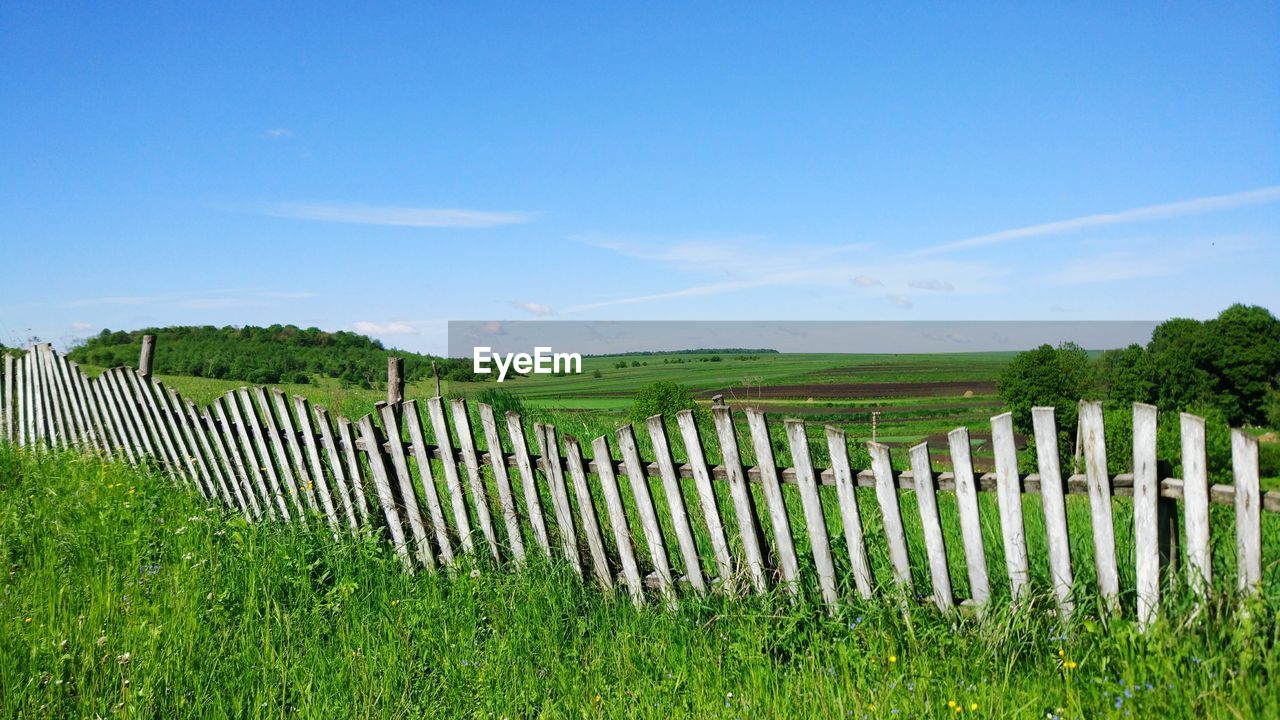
147,356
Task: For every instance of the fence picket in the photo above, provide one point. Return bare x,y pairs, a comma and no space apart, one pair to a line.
782,539
9,404
129,408
706,497
461,520
587,513
1009,502
675,503
101,389
339,473
739,492
546,437
1146,513
935,547
21,407
639,481
347,438
184,443
891,514
502,480
1055,507
471,462
618,520
81,431
285,437
154,424
250,460
1195,501
426,476
218,478
408,498
1104,540
533,503
382,487
850,517
111,443
815,521
62,432
1244,468
303,408
975,555
264,456
89,421
224,440
38,433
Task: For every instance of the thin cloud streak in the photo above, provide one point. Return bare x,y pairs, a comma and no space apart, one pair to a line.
357,214
1194,206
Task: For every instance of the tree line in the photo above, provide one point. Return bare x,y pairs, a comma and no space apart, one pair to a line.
275,354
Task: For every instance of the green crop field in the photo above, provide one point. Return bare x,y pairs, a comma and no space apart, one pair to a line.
126,597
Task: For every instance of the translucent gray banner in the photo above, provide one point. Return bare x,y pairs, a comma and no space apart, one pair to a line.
591,337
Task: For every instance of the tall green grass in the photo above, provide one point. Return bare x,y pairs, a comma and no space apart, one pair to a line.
125,597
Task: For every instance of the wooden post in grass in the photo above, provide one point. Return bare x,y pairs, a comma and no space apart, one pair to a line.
435,375
147,356
395,384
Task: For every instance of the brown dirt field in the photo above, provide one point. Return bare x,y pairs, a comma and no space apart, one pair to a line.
865,390
782,409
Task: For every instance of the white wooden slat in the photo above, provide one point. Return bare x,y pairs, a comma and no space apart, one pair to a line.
39,435
935,547
461,519
502,481
250,461
784,544
22,409
10,405
154,424
382,488
1244,468
740,495
1146,513
675,503
1195,502
81,433
546,437
850,516
475,480
26,402
815,521
426,476
224,437
1052,499
346,436
92,425
618,520
341,485
183,443
299,477
98,414
1009,501
316,468
265,463
408,498
975,555
891,514
129,409
528,481
217,470
587,513
638,478
101,390
1099,482
60,427
706,497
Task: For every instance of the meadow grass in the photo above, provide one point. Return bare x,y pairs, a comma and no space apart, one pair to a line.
127,597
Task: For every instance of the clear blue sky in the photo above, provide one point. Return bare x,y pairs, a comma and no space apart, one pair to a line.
390,169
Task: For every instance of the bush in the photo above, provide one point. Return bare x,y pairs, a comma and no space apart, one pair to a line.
1059,376
663,397
502,401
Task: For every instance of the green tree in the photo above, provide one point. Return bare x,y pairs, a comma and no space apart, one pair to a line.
1179,350
663,397
1245,361
1060,377
1127,376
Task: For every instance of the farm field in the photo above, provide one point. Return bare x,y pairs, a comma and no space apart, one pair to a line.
176,602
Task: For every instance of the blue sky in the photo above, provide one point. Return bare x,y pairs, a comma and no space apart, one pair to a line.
389,169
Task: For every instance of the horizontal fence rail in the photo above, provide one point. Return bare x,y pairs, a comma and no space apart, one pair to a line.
438,488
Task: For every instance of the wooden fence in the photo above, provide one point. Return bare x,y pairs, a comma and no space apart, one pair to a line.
270,457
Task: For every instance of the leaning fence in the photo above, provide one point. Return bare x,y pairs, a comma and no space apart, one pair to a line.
399,473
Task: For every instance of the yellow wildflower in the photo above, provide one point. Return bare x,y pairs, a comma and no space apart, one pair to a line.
973,707
27,620
1070,665
951,703
893,658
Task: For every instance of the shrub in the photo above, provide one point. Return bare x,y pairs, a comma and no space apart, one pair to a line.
663,397
502,401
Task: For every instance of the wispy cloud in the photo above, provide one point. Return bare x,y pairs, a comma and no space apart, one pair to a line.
1147,260
279,133
197,299
1194,206
900,301
533,307
866,281
394,327
81,326
931,284
397,216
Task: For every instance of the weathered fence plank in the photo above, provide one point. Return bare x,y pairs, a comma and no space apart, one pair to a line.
231,499
814,520
470,461
186,444
292,486
1195,499
350,507
675,502
61,430
532,502
891,514
225,442
706,498
106,403
975,555
1055,507
303,409
347,438
9,405
1244,467
639,481
740,493
618,520
382,487
93,423
784,545
587,513
302,484
1104,539
407,497
246,450
850,517
129,409
426,477
461,520
98,414
264,455
502,480
1009,502
935,547
546,437
153,424
1146,513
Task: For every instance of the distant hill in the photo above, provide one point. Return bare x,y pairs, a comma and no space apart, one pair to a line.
280,353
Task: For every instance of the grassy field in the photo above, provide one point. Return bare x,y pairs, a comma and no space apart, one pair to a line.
125,597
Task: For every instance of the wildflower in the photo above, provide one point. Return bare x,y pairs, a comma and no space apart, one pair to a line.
131,490
27,620
973,707
1070,665
1061,652
893,658
958,709
395,602
597,697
